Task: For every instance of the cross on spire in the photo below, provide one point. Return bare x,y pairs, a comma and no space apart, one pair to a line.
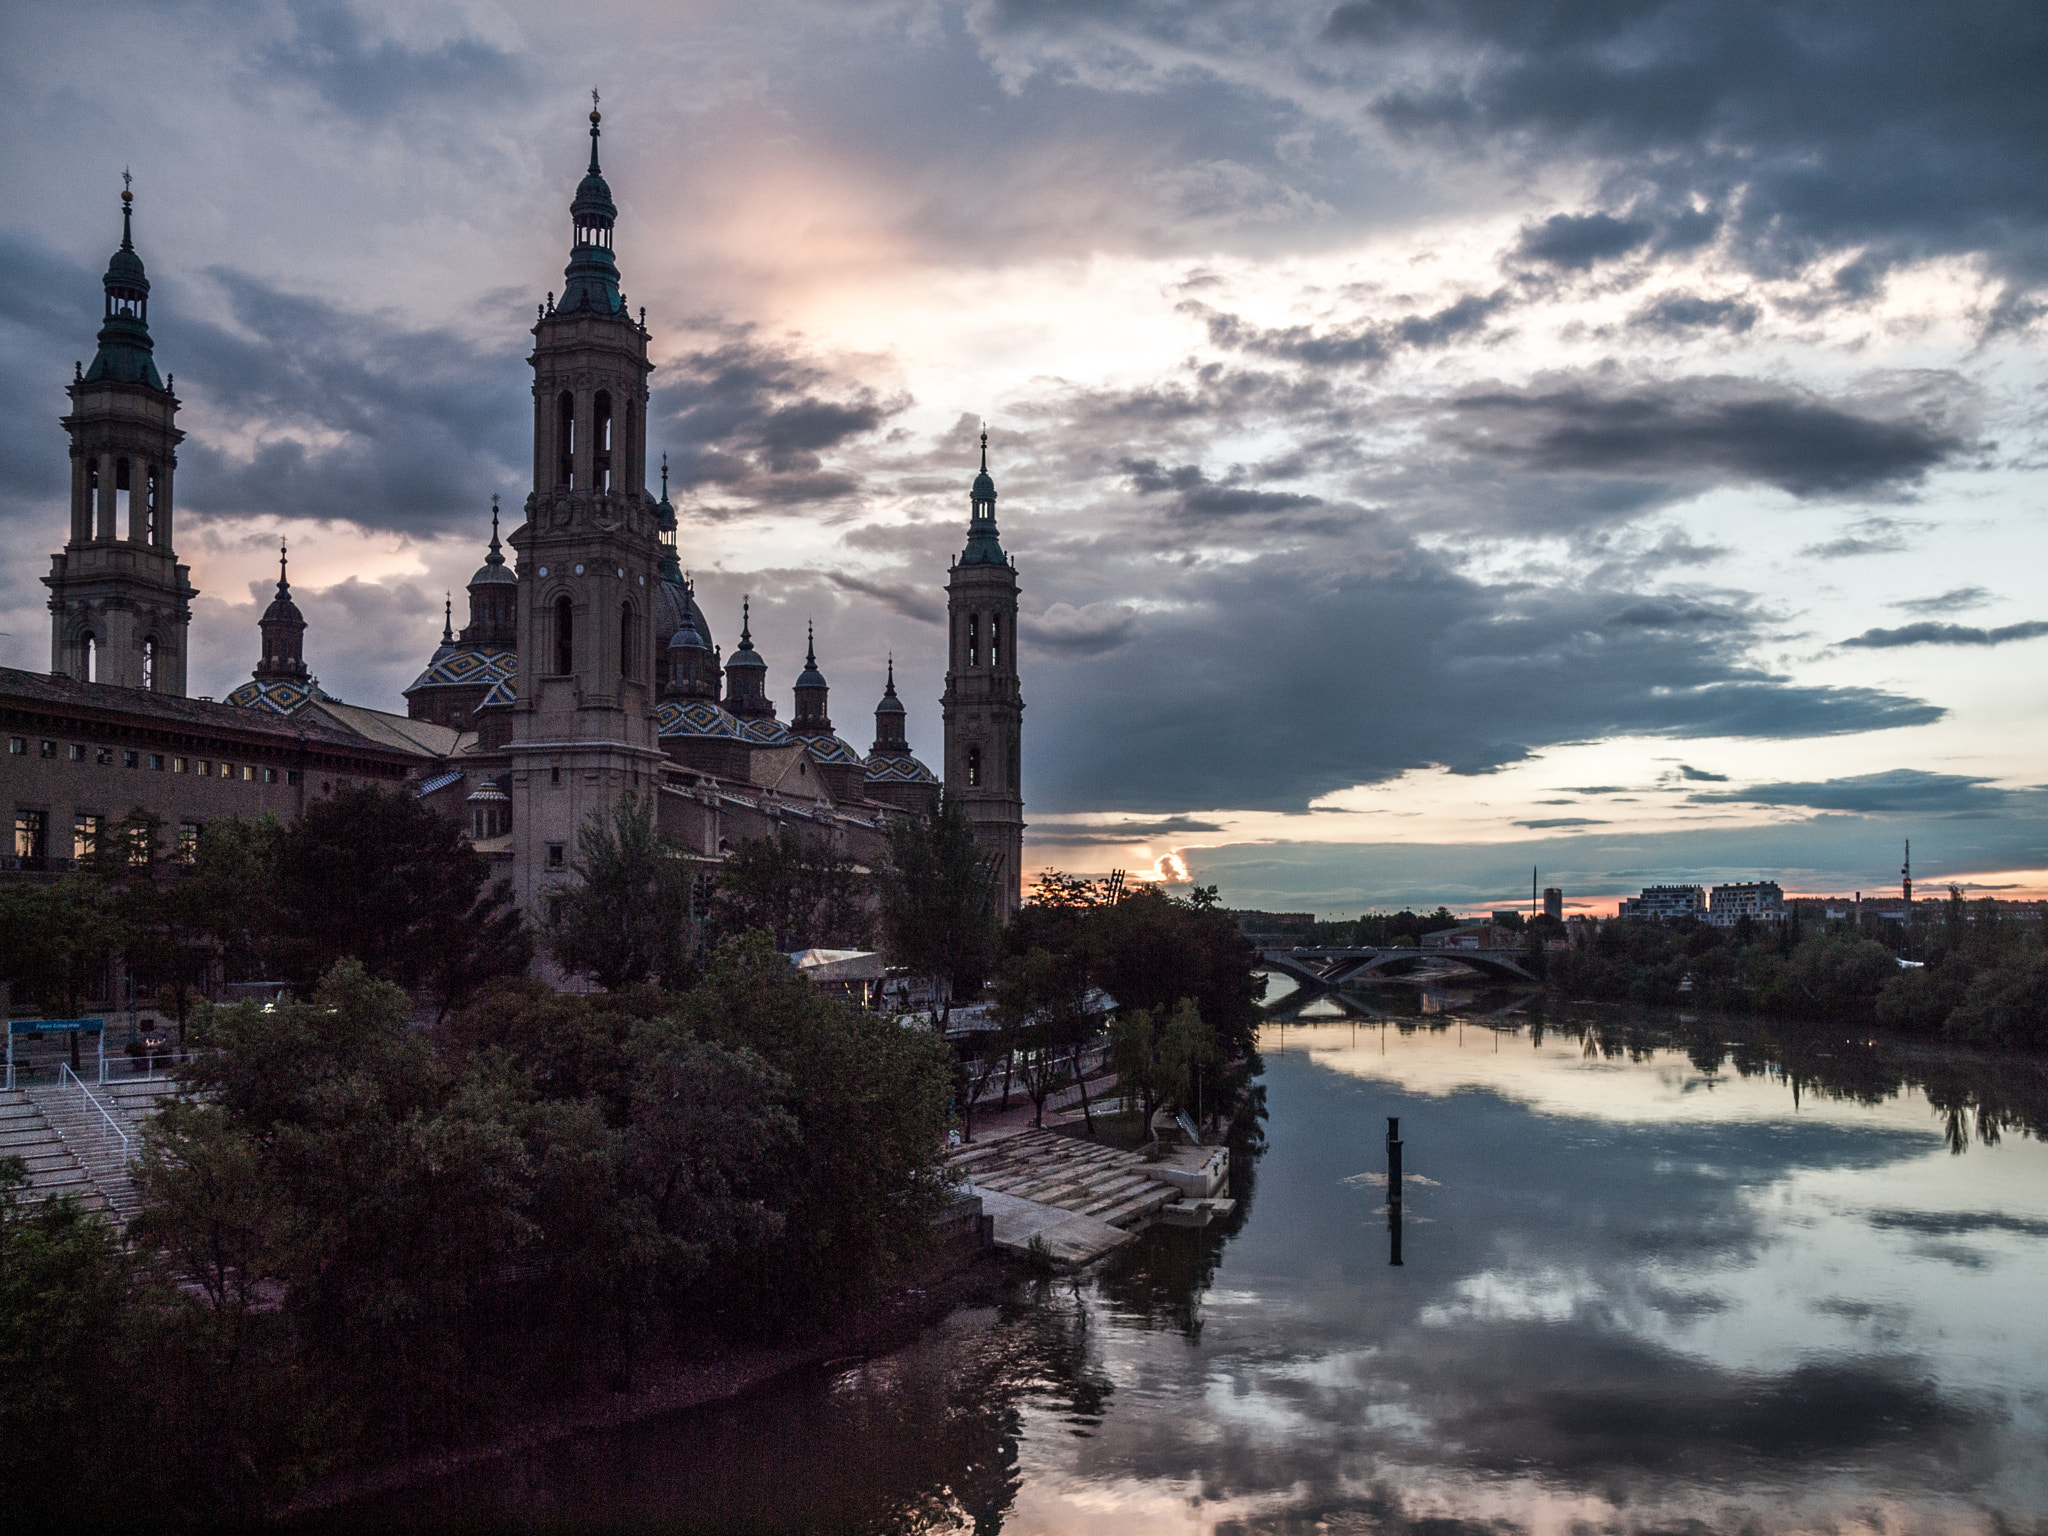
283,587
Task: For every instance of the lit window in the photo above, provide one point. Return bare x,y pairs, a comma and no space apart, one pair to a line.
227,770
181,765
49,748
103,757
248,773
130,758
270,775
85,836
188,841
32,836
77,752
156,762
205,768
974,767
17,746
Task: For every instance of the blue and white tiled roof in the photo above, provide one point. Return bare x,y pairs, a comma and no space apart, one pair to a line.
456,666
697,717
895,769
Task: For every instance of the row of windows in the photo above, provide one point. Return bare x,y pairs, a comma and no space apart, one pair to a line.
89,660
565,638
143,528
32,839
159,762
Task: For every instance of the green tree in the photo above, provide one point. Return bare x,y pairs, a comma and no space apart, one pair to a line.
799,890
938,901
630,917
1153,951
381,879
1134,1053
1187,1049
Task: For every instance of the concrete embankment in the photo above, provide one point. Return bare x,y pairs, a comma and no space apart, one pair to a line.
1080,1199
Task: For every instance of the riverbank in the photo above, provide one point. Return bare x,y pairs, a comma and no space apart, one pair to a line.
669,1385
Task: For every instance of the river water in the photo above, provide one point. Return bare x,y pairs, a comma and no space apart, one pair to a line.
1658,1276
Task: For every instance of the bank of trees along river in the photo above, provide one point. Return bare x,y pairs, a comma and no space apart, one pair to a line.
363,1239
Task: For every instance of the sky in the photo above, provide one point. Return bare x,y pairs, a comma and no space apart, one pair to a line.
1439,439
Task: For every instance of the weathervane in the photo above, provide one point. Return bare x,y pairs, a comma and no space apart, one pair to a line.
127,181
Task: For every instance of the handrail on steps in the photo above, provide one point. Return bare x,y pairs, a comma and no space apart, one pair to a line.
107,1120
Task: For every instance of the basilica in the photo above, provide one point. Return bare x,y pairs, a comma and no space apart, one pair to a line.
587,672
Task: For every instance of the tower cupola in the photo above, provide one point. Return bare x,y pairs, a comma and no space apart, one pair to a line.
746,674
284,634
592,276
889,718
493,597
983,546
811,717
126,354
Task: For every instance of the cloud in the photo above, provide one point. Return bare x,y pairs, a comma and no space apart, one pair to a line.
1702,430
1893,791
1870,536
332,50
1088,631
1682,314
1700,775
1546,823
1366,344
1929,632
1575,242
1196,495
921,603
1945,602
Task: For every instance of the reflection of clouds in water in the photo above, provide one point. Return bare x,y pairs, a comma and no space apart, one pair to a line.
1554,1355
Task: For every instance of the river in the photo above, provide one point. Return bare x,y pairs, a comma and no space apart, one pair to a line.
1659,1274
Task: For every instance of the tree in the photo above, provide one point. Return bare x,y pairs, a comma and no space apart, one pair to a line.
1153,951
1186,1046
632,915
799,890
938,900
381,879
1134,1053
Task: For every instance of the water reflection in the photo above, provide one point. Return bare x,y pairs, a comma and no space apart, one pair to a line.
1657,1274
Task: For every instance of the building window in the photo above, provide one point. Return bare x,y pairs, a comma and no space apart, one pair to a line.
227,770
554,775
974,767
555,860
85,836
156,762
122,529
628,651
31,837
205,768
601,443
248,773
149,662
49,748
181,765
130,758
188,841
270,775
294,776
88,658
149,508
974,639
77,752
17,746
103,757
565,637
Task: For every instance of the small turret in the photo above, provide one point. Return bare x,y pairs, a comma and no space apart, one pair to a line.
284,634
493,597
983,546
592,276
811,717
746,674
126,355
889,714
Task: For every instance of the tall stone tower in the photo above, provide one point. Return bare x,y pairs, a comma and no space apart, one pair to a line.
984,708
589,560
120,603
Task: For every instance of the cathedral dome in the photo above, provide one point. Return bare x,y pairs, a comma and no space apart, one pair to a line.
282,609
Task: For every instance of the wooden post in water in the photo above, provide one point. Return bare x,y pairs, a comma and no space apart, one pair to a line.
1393,1189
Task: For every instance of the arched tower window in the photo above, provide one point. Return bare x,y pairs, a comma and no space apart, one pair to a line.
628,651
121,499
565,636
601,442
974,639
152,490
88,658
974,767
149,661
565,440
995,640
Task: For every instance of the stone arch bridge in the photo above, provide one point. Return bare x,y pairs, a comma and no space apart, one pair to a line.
1327,969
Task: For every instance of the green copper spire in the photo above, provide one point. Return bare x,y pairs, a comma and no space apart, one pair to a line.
983,546
126,353
592,275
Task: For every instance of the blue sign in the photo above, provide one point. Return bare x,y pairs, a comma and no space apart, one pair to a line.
53,1026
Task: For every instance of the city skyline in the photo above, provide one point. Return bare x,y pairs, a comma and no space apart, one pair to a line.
1421,476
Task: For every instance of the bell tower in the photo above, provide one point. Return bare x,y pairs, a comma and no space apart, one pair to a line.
983,705
120,603
589,561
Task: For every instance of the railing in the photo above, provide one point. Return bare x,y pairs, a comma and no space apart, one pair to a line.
110,1066
106,1122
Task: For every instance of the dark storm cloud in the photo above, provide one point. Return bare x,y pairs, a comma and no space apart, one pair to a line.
1693,775
1092,630
920,603
1703,429
1887,132
1576,242
1196,495
755,420
1896,791
1120,832
1929,632
1548,822
1360,675
1871,536
1945,602
1680,314
1367,344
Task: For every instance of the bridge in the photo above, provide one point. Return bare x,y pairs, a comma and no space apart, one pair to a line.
1324,970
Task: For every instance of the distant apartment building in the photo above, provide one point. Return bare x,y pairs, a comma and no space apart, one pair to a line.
1476,933
1553,903
1758,900
1665,903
